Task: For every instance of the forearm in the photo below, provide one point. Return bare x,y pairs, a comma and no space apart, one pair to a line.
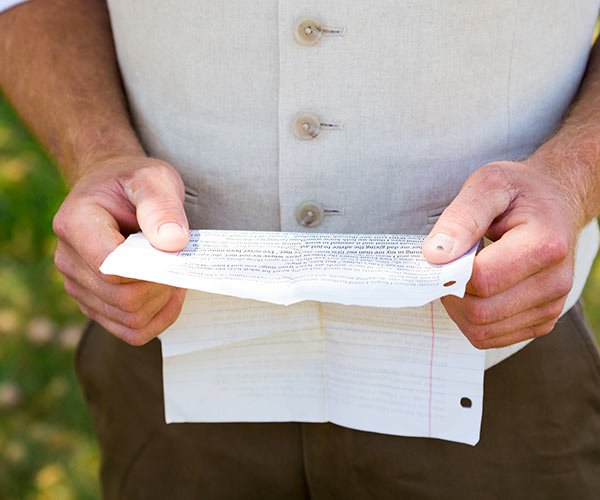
572,154
58,68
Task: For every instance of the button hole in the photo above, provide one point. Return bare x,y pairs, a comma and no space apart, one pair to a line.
466,402
333,31
449,283
191,192
332,211
331,126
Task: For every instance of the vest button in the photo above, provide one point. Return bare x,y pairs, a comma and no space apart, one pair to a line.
310,214
308,31
307,126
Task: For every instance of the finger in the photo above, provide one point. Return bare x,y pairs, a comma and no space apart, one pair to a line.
129,296
518,336
71,264
524,322
72,225
485,195
137,337
539,289
134,319
158,197
517,255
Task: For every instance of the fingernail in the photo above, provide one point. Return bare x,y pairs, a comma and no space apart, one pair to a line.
171,231
441,241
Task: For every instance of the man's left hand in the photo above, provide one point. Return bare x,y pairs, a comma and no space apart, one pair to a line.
520,282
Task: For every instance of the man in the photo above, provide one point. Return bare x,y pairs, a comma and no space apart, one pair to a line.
339,117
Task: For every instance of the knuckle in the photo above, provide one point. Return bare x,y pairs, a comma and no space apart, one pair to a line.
135,339
173,315
179,306
552,311
110,279
90,313
144,174
154,169
96,261
485,282
60,224
70,287
479,333
477,312
493,175
131,302
564,287
476,333
554,249
527,333
463,219
135,321
540,331
563,283
155,173
60,262
478,344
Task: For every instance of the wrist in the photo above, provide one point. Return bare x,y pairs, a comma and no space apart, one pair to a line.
84,152
570,162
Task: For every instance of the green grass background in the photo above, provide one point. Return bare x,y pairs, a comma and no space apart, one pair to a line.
47,448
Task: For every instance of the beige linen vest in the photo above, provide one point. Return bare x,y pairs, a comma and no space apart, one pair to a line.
345,116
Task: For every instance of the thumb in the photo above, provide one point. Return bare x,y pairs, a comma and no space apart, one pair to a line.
158,198
483,197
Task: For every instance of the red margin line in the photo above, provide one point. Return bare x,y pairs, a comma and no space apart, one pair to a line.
431,368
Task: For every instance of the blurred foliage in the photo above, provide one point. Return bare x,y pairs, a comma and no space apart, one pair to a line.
47,447
591,298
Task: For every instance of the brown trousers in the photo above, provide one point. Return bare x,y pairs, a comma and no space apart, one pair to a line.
540,436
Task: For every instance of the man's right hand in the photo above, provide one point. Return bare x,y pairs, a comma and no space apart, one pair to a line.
119,196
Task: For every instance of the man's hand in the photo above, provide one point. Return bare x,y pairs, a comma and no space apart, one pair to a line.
121,195
520,282
59,69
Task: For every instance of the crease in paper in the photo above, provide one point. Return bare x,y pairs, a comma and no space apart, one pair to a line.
378,270
403,371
